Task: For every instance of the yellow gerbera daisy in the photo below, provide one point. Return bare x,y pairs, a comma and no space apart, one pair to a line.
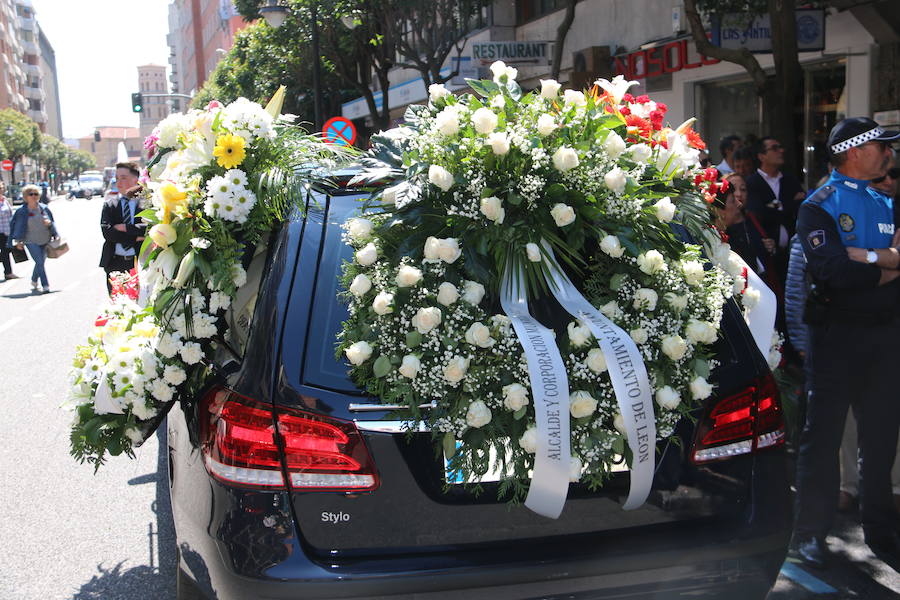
229,150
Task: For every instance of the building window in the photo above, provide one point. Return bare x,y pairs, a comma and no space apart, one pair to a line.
527,10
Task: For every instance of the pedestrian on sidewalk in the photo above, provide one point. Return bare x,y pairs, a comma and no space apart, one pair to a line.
123,232
6,214
33,227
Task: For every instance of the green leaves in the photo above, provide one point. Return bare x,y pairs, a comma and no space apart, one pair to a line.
484,87
382,366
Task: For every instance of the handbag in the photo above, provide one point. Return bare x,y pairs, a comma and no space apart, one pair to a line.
57,247
19,255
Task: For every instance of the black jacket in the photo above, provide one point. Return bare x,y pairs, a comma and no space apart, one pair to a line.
110,216
760,198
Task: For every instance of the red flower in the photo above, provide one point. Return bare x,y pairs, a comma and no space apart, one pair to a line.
643,99
638,127
625,111
656,119
694,140
628,98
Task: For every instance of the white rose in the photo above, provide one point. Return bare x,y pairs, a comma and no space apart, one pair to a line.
774,358
550,88
565,158
515,396
619,423
492,208
666,397
674,347
615,180
611,246
679,303
721,252
575,468
440,177
382,304
735,264
574,98
639,335
447,294
665,210
640,152
693,272
750,298
738,285
581,404
498,142
358,353
426,319
611,310
478,414
478,334
529,439
456,369
367,255
595,361
408,276
651,262
449,250
546,124
645,298
473,292
533,252
502,323
700,388
410,366
498,69
447,121
484,120
436,91
359,229
360,285
562,214
432,246
191,353
614,144
700,331
579,335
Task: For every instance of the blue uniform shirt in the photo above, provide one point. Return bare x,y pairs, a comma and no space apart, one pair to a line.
847,213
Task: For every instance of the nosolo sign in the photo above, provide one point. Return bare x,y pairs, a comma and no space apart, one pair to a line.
667,58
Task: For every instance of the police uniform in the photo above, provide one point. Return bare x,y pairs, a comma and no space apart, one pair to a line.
854,351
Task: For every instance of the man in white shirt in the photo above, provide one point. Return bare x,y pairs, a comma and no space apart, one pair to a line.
728,146
122,230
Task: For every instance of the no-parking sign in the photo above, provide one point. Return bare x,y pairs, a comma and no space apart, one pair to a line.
339,130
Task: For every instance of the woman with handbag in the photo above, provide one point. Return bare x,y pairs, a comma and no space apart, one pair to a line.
33,227
6,213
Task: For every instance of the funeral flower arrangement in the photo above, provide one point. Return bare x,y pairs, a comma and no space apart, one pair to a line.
219,179
479,188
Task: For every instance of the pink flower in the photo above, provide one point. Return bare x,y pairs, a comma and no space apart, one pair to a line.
213,104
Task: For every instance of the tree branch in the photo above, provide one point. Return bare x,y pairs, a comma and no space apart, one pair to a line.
561,32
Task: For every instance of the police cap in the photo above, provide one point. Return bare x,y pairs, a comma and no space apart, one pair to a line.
856,131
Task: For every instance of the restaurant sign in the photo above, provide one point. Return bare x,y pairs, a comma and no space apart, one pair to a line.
512,53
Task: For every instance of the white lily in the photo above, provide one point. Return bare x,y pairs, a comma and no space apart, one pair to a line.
616,88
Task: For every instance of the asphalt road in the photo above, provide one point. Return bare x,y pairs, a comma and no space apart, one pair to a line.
67,533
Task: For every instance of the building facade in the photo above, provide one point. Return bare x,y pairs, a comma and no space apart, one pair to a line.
152,80
200,32
50,85
648,41
106,150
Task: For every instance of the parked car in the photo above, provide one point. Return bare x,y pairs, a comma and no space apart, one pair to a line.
287,481
90,184
15,192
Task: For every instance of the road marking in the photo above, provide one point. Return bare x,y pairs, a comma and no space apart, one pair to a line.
43,303
10,323
804,579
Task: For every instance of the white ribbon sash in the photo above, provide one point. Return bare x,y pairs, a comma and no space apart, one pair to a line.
629,379
550,390
761,318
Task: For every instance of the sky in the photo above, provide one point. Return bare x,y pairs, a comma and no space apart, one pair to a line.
98,45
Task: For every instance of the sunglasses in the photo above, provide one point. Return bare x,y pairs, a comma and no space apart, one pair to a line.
32,194
892,173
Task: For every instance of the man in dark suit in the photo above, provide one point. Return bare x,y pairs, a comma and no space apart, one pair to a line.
773,198
122,230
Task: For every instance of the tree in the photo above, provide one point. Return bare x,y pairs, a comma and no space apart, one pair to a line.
51,157
20,136
426,32
561,32
79,161
779,95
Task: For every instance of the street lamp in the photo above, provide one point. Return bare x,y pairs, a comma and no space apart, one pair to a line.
275,13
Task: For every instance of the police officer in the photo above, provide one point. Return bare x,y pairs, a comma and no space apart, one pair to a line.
853,354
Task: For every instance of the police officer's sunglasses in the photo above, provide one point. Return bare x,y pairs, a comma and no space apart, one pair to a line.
892,173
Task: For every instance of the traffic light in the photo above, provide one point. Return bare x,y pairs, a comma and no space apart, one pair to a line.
137,102
96,135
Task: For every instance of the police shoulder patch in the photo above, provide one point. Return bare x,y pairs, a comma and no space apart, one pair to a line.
846,222
816,239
